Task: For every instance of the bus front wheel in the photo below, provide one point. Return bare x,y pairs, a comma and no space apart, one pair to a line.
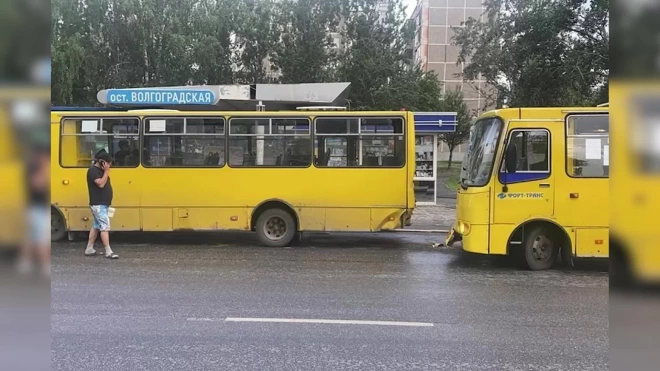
275,228
540,249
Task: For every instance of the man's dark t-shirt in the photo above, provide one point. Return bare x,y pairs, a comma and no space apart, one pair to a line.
97,195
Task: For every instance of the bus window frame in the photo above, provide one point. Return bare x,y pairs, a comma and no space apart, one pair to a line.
144,134
359,134
502,171
499,142
566,137
270,118
100,119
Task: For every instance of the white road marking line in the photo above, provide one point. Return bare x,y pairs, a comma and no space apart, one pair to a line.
329,321
205,319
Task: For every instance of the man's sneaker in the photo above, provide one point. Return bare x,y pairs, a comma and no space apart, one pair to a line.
90,252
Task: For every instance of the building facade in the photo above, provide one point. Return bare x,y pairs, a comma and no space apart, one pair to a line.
435,21
433,49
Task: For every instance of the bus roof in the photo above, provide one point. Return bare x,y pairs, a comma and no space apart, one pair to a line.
541,112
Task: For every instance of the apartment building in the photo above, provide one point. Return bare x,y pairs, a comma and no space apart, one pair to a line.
433,49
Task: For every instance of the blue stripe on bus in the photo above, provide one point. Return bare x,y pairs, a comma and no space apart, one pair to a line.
523,177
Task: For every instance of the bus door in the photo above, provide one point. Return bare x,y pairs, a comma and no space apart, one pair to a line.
527,189
583,191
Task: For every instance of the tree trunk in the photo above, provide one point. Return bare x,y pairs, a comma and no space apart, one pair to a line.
451,156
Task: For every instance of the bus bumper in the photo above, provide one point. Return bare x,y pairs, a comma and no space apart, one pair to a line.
474,238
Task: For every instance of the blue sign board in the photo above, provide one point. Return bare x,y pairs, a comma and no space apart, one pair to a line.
166,97
435,122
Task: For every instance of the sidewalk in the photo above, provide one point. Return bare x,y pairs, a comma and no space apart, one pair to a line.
441,216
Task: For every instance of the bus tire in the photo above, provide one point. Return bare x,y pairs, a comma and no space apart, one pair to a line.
57,226
540,249
276,228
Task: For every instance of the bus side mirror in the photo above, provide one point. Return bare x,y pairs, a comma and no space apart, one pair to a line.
511,158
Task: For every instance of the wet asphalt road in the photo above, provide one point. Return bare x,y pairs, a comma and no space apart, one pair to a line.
163,306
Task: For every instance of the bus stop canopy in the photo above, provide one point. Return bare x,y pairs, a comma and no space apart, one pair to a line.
230,97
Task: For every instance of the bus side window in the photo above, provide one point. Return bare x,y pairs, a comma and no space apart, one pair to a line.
81,138
167,144
533,150
360,141
587,145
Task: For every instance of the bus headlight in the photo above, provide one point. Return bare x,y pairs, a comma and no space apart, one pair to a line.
463,228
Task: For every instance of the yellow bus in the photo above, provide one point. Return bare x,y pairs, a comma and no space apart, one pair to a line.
635,251
276,173
536,183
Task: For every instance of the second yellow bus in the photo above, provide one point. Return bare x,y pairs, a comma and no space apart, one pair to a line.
535,183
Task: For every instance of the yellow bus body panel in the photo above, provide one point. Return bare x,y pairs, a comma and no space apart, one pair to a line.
487,222
224,198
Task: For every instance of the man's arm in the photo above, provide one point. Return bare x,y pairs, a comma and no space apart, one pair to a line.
101,182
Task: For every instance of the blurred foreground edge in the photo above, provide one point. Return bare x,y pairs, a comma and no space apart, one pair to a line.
635,183
23,122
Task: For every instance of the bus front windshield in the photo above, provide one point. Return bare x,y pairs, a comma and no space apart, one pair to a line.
481,152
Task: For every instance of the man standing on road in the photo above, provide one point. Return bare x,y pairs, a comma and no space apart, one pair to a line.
100,199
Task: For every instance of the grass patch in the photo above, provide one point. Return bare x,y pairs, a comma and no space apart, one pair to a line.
450,176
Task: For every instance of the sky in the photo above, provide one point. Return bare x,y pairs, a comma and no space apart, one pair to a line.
410,6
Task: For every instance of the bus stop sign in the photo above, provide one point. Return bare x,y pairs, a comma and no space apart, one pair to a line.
166,97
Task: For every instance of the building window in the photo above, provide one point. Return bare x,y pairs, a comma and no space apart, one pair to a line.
588,146
184,142
272,142
359,142
82,138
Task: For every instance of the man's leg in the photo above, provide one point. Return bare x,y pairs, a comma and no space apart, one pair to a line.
93,235
105,238
104,227
27,248
25,257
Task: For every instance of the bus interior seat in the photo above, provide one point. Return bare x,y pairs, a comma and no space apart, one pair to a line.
390,161
370,161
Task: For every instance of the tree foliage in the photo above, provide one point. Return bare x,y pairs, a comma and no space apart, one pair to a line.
453,102
540,52
100,44
307,52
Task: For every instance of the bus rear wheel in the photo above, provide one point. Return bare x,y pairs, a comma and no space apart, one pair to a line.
57,226
275,228
540,249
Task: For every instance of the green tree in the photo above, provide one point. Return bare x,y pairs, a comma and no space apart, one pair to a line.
540,52
99,44
256,37
376,59
211,42
307,51
453,102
